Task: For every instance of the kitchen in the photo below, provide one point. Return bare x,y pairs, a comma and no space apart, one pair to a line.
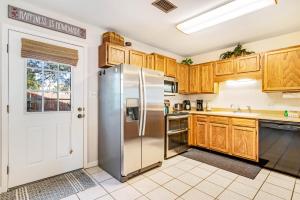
173,115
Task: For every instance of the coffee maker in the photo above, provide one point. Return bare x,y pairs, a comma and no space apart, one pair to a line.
186,105
199,105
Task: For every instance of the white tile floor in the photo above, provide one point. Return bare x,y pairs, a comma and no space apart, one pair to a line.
186,179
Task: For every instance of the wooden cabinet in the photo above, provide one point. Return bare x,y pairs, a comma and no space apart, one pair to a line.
229,135
219,137
249,63
195,79
224,67
150,61
281,70
207,78
191,132
244,142
159,62
171,67
238,68
137,58
183,78
111,54
200,128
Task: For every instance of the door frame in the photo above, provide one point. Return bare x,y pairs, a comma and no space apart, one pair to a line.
4,92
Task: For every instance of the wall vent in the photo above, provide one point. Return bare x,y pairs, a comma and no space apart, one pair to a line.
164,5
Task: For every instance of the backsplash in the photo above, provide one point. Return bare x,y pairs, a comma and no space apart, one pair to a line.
242,95
247,95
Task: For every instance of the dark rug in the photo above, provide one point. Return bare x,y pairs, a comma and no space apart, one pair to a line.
53,188
240,167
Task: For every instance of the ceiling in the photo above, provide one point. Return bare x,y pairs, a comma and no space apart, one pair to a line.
139,20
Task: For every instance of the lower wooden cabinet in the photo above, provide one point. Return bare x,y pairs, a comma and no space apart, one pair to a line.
233,136
219,137
244,142
200,128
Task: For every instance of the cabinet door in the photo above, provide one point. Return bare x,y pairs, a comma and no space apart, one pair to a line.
244,142
137,58
159,62
207,77
282,70
183,78
171,66
150,61
219,137
201,133
192,136
195,79
116,54
224,67
248,64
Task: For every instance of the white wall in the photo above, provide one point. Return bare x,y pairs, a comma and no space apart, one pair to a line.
251,94
93,40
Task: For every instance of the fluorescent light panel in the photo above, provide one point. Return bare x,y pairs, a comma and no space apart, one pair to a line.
224,13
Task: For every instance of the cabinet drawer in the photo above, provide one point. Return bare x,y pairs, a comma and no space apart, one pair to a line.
219,120
244,122
201,118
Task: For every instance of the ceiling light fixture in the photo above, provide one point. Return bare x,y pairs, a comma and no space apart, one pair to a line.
223,13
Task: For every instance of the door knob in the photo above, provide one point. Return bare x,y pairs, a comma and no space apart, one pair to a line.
80,109
80,116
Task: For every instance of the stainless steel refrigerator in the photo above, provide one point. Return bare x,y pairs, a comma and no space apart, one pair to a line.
131,120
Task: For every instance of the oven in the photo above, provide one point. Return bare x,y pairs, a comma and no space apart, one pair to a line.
176,134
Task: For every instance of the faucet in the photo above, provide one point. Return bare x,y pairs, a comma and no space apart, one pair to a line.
236,109
249,109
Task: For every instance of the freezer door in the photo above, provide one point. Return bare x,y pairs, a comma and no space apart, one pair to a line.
132,112
153,117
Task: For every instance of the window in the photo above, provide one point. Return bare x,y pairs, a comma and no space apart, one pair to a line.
48,86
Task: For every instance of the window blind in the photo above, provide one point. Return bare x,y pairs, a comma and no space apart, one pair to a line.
48,52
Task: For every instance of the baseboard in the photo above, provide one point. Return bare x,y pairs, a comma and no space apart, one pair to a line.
92,164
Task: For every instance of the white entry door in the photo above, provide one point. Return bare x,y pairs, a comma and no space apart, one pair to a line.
45,103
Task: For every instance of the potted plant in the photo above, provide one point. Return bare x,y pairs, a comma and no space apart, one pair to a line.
237,52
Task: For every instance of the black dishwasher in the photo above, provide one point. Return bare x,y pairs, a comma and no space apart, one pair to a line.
279,146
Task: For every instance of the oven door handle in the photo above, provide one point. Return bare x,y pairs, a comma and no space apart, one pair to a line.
178,117
177,131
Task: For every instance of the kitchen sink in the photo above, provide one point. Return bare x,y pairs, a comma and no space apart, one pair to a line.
237,113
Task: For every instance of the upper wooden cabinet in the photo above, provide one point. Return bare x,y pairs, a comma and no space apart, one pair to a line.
183,78
281,70
137,58
238,68
249,63
195,79
159,62
207,78
171,67
224,67
150,61
111,54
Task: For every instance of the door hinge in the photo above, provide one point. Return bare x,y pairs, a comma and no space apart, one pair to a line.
7,169
7,48
7,108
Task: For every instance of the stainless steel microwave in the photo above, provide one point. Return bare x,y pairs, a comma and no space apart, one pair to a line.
170,86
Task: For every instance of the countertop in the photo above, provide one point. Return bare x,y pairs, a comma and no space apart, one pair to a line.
269,115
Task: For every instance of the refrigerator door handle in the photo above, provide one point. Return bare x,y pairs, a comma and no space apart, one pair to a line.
141,105
144,104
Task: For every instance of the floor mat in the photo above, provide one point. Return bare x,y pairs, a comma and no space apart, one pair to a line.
236,166
53,188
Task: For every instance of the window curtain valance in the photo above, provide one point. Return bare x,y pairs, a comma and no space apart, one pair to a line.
43,51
